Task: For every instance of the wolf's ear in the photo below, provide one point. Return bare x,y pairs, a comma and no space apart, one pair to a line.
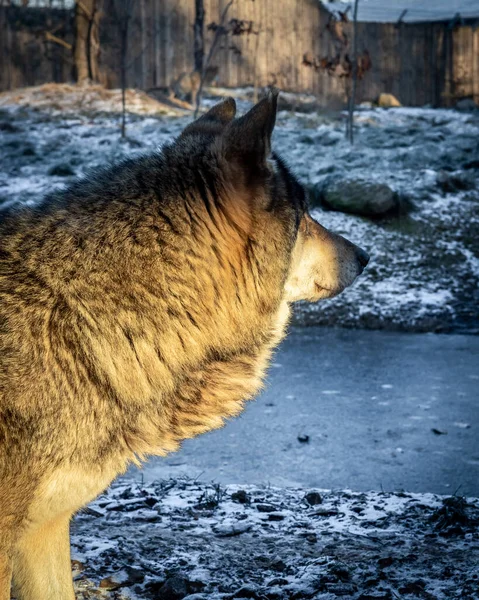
248,139
214,120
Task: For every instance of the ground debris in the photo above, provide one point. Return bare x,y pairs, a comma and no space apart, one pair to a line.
235,551
454,517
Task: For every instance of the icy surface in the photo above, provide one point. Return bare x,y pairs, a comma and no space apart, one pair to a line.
424,270
274,544
368,403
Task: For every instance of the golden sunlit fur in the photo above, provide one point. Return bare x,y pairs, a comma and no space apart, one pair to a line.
138,308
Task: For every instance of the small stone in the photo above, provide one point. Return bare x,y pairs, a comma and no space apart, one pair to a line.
265,507
61,170
240,496
232,529
77,568
341,589
413,587
174,588
277,581
313,498
466,104
326,512
247,592
387,561
275,517
387,101
438,431
303,438
127,577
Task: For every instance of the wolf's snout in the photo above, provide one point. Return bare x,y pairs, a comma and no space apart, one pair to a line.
362,257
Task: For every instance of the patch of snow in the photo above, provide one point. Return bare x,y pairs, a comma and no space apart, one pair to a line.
255,541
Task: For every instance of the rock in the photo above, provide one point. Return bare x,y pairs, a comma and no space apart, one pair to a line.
359,197
277,581
8,127
174,588
341,589
231,529
472,164
77,568
265,508
330,138
454,182
385,562
307,139
313,498
127,577
61,170
413,587
327,512
276,516
247,592
466,104
387,101
240,496
376,596
303,438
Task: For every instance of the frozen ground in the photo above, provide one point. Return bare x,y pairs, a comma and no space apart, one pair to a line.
424,272
180,539
366,410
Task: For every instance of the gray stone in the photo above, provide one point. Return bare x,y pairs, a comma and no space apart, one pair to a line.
126,577
313,498
358,197
174,588
61,170
466,104
454,182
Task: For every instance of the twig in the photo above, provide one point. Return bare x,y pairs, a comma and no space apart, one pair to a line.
53,38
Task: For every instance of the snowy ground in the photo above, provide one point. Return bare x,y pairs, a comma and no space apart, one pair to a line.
424,272
181,539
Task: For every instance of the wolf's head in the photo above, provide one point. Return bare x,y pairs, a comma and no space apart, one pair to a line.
321,263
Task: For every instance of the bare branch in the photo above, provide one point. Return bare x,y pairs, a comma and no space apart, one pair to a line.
49,37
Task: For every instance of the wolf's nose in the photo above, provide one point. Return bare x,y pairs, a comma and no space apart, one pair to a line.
363,258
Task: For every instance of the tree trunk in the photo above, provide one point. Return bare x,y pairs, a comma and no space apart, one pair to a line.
199,35
87,45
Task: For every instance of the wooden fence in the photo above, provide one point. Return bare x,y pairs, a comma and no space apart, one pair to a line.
418,63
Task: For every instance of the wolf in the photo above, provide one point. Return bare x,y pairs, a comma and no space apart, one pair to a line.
140,307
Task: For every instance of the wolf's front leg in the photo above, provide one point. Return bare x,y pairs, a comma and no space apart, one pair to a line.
41,562
5,575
